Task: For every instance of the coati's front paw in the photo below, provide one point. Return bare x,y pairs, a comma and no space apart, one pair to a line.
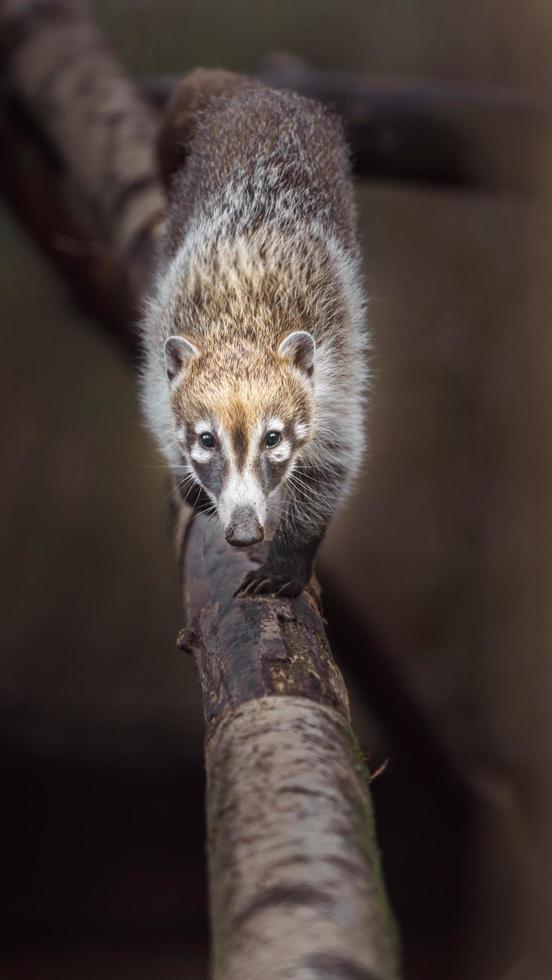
282,580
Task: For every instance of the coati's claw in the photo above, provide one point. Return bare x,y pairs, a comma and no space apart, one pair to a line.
261,582
246,588
289,589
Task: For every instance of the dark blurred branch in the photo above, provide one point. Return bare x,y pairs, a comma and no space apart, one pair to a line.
93,118
36,189
423,131
78,164
289,813
294,867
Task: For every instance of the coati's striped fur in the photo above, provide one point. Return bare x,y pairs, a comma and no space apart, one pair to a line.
255,343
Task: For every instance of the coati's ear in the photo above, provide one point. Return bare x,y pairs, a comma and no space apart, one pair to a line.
299,348
178,354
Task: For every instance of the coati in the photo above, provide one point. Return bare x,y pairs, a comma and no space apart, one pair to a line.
255,366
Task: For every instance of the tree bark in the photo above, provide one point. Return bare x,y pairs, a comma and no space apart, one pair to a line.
295,878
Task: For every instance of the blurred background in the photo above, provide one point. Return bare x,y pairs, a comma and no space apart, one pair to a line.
436,578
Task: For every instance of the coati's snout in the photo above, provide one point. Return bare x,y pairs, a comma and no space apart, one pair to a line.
244,528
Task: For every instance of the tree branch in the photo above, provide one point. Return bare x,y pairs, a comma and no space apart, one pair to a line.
296,887
424,130
42,198
419,130
94,120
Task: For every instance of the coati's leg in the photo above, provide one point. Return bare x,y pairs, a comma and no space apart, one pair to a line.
312,495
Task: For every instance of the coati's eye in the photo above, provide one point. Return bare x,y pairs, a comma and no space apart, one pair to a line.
207,440
272,439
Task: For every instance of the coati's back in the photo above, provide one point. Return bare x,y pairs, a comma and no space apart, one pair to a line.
254,336
260,155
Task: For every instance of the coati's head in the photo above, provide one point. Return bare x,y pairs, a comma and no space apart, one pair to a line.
241,419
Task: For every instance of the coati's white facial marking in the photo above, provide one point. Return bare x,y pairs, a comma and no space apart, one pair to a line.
281,451
200,452
242,490
242,487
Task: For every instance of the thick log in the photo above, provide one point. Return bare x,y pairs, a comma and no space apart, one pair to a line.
296,889
293,862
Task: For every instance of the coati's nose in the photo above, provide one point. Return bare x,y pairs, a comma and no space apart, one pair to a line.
244,528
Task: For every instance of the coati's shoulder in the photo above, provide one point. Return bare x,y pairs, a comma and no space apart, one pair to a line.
269,153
